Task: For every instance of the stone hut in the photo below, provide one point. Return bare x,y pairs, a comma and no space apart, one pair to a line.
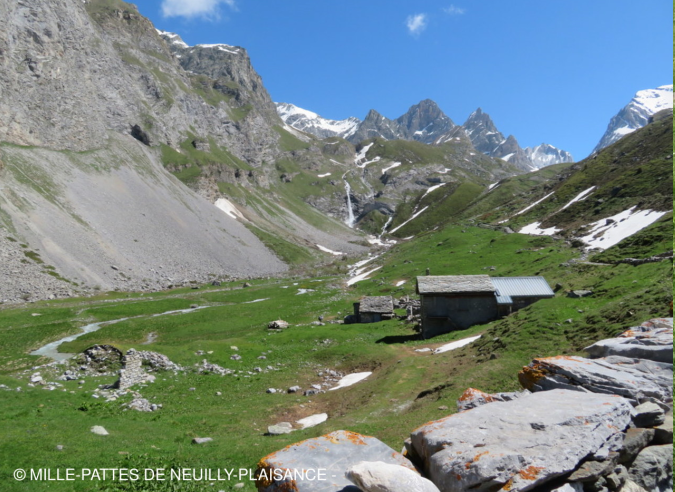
374,309
455,302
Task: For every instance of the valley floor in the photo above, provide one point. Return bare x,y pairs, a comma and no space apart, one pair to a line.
407,388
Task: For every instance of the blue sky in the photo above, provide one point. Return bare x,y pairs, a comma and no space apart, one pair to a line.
546,71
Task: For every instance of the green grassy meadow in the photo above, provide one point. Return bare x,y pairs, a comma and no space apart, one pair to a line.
405,390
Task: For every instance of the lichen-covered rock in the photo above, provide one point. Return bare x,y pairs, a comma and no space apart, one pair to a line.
376,476
332,453
520,444
651,340
472,398
632,378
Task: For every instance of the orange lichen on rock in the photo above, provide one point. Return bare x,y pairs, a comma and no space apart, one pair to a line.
508,485
472,393
529,376
475,458
355,438
263,474
531,472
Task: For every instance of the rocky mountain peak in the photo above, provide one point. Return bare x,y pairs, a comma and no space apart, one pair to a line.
231,68
486,138
425,122
483,133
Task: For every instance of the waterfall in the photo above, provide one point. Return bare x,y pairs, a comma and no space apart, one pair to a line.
384,229
350,212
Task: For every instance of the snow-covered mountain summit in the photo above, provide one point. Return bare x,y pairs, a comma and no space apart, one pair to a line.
636,113
545,155
310,122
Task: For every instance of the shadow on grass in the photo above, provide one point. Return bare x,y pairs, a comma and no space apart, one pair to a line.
398,339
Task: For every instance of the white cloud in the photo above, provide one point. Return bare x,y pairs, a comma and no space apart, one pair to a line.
194,8
416,23
452,10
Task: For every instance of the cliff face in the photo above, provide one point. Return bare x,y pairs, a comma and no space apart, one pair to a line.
91,97
71,71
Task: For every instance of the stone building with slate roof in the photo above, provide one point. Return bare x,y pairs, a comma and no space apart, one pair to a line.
374,309
455,302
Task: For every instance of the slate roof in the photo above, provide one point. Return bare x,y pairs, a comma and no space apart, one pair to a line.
378,304
454,284
522,287
504,288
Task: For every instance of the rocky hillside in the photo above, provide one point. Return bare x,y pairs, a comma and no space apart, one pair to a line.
599,201
636,114
90,141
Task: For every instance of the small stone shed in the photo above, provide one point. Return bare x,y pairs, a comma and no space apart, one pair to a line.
374,309
455,302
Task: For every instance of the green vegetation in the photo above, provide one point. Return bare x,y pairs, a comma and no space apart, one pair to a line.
204,87
187,164
287,251
442,205
635,171
235,410
98,8
238,114
289,142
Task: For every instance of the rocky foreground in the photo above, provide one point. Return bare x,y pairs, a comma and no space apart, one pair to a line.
595,424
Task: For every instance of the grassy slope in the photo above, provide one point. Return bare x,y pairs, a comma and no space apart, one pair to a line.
386,405
635,171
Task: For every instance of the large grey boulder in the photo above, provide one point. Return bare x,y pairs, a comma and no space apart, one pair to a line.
651,340
519,444
376,476
653,468
332,454
635,379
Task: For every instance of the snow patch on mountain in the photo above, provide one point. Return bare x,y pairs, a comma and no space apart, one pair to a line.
534,230
580,197
607,232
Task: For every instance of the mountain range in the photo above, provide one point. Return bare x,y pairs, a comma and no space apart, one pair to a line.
425,122
138,162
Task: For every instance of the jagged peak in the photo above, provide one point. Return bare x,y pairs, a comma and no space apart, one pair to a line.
373,115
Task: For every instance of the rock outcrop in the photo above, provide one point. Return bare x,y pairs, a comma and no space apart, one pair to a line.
574,433
652,340
635,379
332,453
516,445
